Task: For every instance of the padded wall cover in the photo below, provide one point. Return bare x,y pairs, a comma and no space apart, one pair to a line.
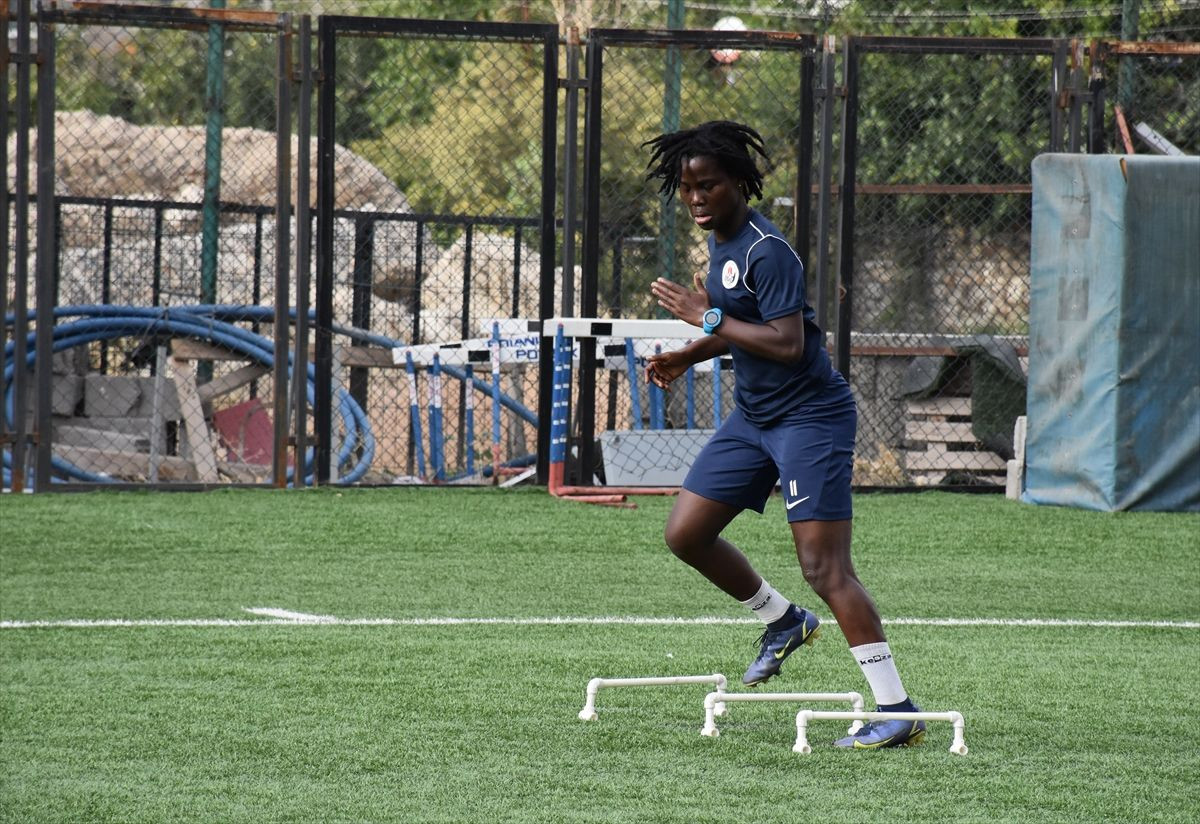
1113,401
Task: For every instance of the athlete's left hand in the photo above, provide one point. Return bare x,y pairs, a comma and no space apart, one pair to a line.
689,305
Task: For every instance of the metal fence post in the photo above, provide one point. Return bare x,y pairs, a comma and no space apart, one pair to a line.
570,167
825,94
802,200
20,381
1076,95
5,58
1096,144
591,255
46,253
547,227
1127,70
672,92
303,251
323,389
283,237
214,93
846,217
1058,90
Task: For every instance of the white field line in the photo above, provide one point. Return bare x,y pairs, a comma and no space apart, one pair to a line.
288,615
281,617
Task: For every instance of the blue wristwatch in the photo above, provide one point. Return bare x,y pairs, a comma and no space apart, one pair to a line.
711,320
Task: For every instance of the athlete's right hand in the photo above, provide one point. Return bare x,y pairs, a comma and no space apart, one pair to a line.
663,368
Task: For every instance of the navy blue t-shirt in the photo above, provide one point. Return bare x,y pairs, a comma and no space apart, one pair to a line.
755,277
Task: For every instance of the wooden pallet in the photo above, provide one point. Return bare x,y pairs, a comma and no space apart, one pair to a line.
940,440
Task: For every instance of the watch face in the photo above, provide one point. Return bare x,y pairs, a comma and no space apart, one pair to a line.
712,316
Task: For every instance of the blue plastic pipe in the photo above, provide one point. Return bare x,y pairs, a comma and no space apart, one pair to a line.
656,399
414,412
437,455
107,322
635,396
469,446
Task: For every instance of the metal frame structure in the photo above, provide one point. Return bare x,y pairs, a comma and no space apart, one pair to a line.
1075,99
805,45
329,29
854,47
47,230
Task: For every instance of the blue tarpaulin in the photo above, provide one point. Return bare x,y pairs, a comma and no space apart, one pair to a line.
1113,403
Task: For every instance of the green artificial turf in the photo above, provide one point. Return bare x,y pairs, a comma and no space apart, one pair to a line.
417,722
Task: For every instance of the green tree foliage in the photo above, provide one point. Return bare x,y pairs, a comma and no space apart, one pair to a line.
474,147
157,76
456,124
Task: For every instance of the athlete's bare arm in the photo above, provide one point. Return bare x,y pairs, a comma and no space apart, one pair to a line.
781,339
663,368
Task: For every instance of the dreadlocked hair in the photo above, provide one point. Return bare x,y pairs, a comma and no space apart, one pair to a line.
728,142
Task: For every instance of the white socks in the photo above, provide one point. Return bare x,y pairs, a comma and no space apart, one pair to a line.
767,604
874,659
880,671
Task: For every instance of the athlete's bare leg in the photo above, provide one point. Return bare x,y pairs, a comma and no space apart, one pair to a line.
823,549
693,533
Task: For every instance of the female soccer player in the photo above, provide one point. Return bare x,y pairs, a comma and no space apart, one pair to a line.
794,420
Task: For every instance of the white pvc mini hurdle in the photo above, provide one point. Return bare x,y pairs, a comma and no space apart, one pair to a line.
715,699
588,713
957,746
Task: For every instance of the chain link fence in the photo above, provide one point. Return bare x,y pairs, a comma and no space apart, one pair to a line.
446,207
164,184
940,249
946,134
652,83
438,180
1150,93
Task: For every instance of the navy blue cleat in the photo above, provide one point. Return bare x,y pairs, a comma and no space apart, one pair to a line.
875,735
777,645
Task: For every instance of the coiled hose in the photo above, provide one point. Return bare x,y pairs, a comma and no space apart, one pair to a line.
213,323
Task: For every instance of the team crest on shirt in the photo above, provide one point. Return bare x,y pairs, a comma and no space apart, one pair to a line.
729,274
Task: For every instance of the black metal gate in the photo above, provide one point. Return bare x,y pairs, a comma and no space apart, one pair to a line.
903,184
630,234
119,271
394,288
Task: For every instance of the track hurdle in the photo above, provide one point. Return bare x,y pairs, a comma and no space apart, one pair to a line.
414,413
458,360
957,746
715,699
565,331
494,350
588,713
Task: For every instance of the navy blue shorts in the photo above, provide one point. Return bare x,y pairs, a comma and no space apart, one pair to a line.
810,452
